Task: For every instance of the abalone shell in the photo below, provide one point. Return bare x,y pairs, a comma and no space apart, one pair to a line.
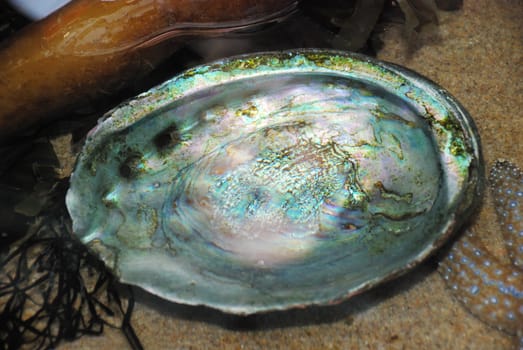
276,180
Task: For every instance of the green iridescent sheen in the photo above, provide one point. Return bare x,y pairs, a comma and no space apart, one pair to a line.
276,180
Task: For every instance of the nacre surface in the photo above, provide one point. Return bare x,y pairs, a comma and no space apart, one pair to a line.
276,180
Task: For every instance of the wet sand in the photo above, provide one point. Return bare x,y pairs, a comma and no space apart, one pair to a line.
477,54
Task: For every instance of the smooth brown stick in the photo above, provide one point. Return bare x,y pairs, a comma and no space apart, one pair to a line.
91,48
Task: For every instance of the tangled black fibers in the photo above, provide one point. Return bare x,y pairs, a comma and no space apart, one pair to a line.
53,289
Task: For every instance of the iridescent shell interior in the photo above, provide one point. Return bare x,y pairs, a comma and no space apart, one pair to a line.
275,180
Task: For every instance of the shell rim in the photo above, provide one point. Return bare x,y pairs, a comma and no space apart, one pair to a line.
378,71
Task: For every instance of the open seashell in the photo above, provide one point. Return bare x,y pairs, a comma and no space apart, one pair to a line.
276,180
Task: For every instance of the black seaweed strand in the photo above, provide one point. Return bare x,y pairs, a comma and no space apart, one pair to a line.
53,289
